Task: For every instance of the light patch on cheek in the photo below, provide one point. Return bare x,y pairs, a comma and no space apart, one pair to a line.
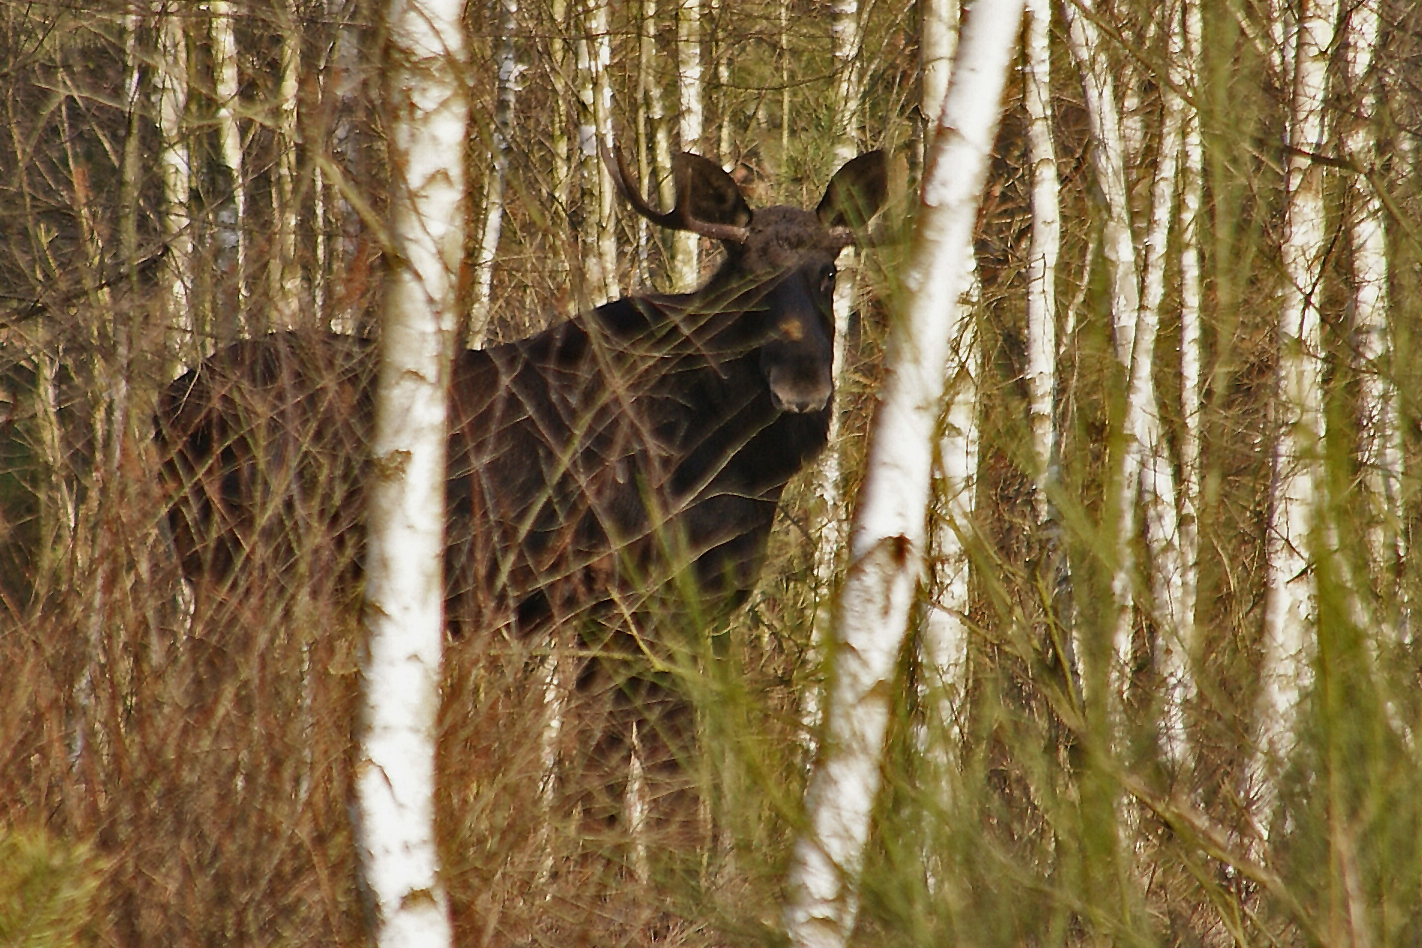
792,330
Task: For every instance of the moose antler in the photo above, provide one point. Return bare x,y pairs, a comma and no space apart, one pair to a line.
680,216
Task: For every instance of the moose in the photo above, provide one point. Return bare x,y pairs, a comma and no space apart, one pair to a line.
614,465
643,443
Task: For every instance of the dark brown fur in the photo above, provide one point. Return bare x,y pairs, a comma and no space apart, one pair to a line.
591,462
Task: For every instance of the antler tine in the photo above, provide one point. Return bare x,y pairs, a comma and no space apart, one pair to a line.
623,178
734,233
679,217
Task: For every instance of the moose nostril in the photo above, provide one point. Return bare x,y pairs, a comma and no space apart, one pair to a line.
796,397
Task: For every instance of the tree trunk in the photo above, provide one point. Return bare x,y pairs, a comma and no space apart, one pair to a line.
939,27
1175,663
598,233
506,94
945,625
175,172
686,247
1042,256
887,546
404,591
283,267
230,219
342,271
1289,608
1109,158
846,39
1381,456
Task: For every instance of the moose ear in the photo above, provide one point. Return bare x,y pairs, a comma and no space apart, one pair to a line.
856,192
707,193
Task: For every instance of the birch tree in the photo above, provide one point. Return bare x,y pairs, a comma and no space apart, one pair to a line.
339,242
175,170
722,46
231,216
887,543
1289,606
938,24
283,269
1044,250
945,628
1142,473
1145,431
1178,670
404,592
1380,457
506,95
657,131
595,122
846,40
1108,160
686,246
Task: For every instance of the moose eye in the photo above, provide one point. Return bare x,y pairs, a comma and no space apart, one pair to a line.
827,278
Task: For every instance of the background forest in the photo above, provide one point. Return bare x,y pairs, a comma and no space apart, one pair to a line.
1163,684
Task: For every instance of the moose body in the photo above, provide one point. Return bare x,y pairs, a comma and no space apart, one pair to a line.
643,441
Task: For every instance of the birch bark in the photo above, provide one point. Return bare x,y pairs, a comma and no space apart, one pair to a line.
175,172
340,283
887,544
506,95
847,39
945,629
1043,253
404,588
283,270
686,247
1145,432
1179,674
1289,606
1109,157
599,235
939,23
602,125
1381,456
231,213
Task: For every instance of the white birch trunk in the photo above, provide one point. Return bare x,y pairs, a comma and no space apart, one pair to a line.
404,588
721,11
1381,454
1144,429
1178,669
1108,153
602,123
231,215
599,239
887,547
945,627
654,153
345,88
945,624
846,40
939,19
563,163
1042,254
506,94
283,271
656,111
175,171
1290,596
1108,156
686,247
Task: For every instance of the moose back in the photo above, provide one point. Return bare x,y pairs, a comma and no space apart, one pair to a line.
645,441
